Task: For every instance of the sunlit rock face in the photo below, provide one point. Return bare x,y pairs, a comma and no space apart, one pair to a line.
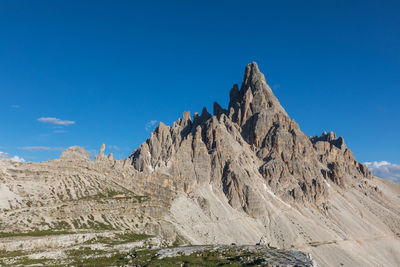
254,138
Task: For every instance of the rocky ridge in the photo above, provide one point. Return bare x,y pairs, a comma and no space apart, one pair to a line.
249,174
253,137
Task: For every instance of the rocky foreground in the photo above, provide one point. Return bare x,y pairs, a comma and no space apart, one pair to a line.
246,174
134,254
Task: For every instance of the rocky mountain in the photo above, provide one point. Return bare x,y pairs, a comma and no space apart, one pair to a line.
254,137
248,173
245,174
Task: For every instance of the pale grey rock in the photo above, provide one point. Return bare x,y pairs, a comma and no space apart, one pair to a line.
206,149
341,166
75,153
102,149
101,157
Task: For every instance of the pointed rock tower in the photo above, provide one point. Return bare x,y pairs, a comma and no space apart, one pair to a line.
252,142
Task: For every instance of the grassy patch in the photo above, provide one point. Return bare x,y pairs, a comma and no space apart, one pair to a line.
4,254
142,199
178,241
232,256
116,195
25,261
93,224
87,257
82,252
35,233
205,258
96,225
130,237
122,238
117,259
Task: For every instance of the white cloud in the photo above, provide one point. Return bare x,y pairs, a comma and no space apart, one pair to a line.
55,121
17,159
15,106
385,170
4,155
150,124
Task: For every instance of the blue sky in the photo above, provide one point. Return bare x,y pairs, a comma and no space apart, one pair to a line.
92,72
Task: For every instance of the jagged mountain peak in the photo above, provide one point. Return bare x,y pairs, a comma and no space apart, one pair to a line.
253,139
253,78
254,97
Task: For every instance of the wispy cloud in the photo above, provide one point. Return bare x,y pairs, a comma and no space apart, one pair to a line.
113,147
4,155
41,148
150,125
55,121
36,148
15,106
385,170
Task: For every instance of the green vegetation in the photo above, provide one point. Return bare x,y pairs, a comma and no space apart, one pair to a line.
178,240
91,223
142,199
130,237
204,258
25,261
35,233
126,194
4,253
96,225
86,256
121,238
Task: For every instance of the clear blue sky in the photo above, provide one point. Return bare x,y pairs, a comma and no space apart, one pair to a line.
113,66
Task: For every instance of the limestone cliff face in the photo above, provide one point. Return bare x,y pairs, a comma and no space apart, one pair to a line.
247,174
342,167
254,138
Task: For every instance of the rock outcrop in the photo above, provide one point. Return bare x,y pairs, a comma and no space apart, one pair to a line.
101,156
75,153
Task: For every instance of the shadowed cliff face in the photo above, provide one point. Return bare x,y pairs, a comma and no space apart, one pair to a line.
253,139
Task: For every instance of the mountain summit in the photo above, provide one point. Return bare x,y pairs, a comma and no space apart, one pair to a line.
253,140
